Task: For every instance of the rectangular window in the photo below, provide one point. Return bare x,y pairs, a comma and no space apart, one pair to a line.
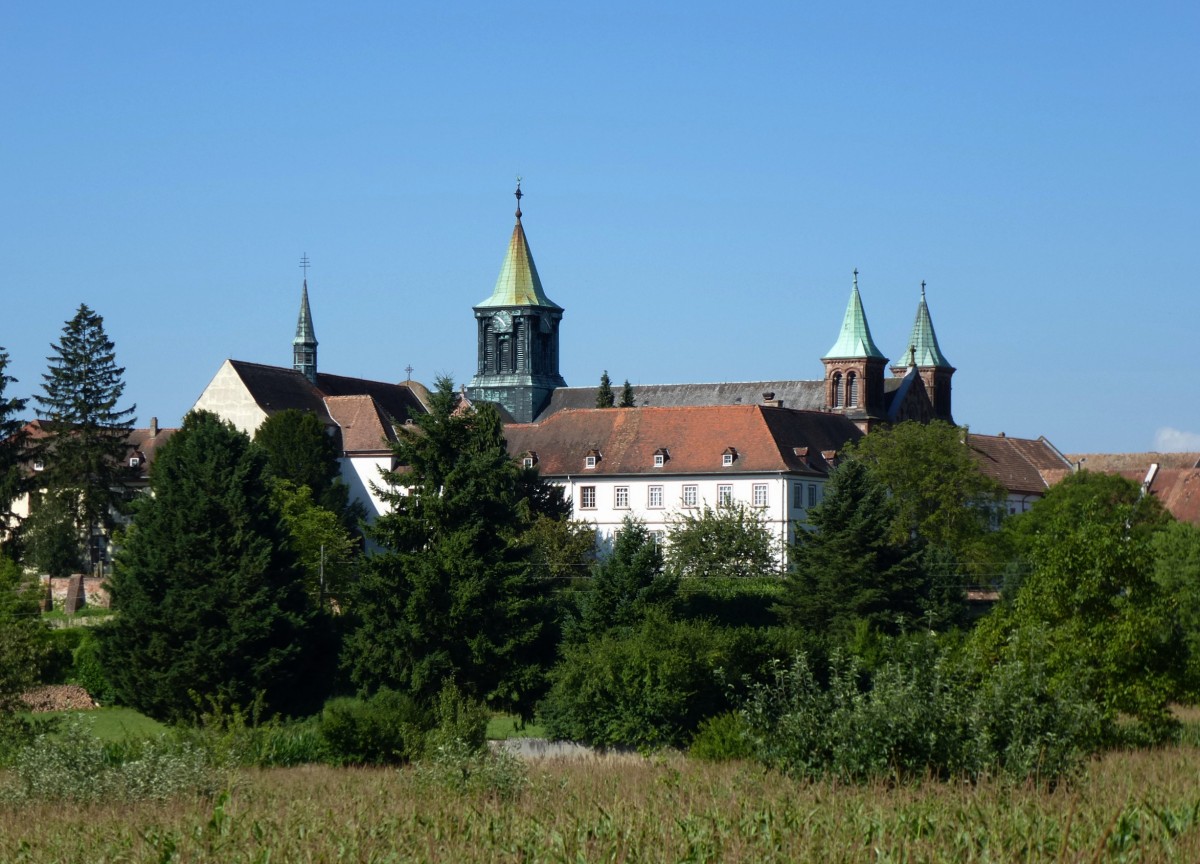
659,537
587,497
691,496
621,497
589,462
797,496
724,495
654,497
760,495
812,494
658,460
527,461
726,459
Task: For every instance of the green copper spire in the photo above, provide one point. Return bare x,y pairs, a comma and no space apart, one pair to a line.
855,339
304,346
922,349
518,284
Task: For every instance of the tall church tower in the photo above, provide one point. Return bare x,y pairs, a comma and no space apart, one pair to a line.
517,335
924,353
854,368
304,346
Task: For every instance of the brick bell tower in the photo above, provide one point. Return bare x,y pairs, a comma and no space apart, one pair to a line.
924,353
854,368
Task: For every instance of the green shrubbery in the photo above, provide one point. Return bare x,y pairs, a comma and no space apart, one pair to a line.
920,714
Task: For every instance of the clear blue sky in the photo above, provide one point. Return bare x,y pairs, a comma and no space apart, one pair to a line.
701,180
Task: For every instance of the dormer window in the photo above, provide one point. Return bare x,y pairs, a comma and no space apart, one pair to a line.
590,460
134,461
529,459
728,457
660,457
39,465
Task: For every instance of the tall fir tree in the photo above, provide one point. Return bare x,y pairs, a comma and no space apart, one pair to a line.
13,440
850,568
627,400
86,429
625,585
210,599
604,395
453,595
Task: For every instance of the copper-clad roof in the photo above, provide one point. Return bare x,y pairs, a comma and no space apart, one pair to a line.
765,439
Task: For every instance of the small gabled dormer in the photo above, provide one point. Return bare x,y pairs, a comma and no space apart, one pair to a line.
728,457
661,455
830,456
591,459
529,459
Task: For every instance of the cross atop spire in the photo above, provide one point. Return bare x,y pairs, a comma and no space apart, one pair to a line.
519,195
304,265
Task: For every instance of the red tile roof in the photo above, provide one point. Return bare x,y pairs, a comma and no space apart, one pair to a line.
1023,466
364,424
766,439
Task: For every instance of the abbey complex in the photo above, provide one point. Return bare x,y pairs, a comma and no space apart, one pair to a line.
768,444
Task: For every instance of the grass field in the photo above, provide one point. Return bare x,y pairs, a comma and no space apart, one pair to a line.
1139,806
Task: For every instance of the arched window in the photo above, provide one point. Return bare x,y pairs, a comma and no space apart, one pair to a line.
837,389
852,390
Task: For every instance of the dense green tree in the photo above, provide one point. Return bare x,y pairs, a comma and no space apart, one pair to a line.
626,583
211,599
300,451
604,395
86,429
562,548
851,568
328,552
50,540
627,400
729,540
23,639
454,595
940,493
1176,551
1088,546
13,440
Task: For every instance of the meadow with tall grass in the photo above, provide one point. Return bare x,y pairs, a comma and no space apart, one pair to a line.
1124,806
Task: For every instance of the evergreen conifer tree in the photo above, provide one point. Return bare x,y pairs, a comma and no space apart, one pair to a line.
12,446
626,584
453,595
850,568
627,400
211,600
84,448
604,395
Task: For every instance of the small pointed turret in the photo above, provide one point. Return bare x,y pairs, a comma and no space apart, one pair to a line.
923,343
854,340
854,367
925,355
518,283
304,346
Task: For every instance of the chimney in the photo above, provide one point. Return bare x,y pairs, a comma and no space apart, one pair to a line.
153,427
770,400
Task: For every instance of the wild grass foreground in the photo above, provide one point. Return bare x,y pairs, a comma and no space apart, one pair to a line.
1125,806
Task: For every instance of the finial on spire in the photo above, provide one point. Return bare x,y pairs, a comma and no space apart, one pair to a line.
856,277
409,370
304,265
922,289
519,195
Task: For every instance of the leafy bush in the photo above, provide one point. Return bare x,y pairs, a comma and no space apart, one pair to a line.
61,646
723,737
743,601
643,687
76,766
454,765
87,671
919,714
389,727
